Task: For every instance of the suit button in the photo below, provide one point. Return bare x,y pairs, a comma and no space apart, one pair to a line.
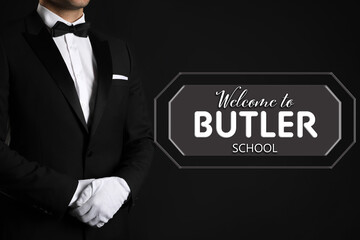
89,153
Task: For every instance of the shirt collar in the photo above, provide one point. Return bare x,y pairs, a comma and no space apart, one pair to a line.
51,18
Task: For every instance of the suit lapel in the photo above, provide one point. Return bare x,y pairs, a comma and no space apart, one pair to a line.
40,40
104,77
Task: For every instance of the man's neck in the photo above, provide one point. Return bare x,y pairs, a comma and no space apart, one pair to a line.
69,15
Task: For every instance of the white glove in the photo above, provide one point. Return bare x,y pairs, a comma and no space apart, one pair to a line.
100,200
80,187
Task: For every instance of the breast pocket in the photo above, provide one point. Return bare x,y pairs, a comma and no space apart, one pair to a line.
118,82
119,91
118,99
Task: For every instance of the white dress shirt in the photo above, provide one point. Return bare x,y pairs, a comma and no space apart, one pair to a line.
78,57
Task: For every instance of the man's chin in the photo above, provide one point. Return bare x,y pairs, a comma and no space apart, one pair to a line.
76,7
75,4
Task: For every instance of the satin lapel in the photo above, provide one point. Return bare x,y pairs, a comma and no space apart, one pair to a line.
45,48
104,77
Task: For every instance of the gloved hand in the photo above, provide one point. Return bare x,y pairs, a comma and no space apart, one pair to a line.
100,200
80,187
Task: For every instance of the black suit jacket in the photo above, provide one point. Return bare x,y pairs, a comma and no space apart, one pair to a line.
51,145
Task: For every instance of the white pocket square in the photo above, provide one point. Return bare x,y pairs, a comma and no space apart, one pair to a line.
119,77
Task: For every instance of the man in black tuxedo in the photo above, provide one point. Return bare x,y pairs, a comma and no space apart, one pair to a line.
75,139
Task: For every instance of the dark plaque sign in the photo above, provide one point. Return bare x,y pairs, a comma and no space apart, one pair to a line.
255,120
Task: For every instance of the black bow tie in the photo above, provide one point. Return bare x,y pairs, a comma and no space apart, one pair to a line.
60,28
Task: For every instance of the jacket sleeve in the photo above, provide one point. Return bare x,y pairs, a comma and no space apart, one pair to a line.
138,138
38,186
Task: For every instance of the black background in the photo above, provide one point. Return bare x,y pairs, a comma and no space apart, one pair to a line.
174,36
